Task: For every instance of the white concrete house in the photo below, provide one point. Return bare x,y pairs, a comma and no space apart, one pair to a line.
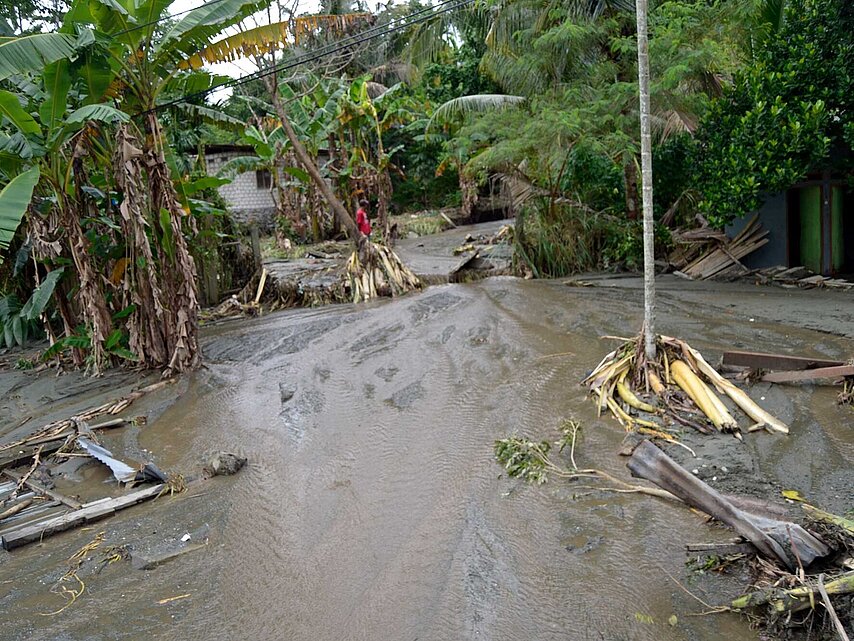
249,195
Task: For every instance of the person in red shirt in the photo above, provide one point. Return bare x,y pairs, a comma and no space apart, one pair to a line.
362,221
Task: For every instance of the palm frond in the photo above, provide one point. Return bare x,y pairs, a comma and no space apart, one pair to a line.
458,108
239,165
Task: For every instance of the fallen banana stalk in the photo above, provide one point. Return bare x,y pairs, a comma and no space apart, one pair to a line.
795,599
738,396
703,397
377,271
679,380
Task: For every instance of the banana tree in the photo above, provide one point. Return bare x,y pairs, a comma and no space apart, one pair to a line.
116,52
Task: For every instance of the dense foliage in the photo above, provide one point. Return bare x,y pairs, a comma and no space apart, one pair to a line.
787,114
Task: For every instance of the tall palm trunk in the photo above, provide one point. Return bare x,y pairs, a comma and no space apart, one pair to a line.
646,180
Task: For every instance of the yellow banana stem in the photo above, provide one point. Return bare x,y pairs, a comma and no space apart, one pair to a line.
699,392
655,383
630,399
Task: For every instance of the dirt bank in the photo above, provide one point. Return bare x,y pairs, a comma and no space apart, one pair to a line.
371,507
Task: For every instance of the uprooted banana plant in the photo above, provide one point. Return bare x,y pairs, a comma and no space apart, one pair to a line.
375,270
643,396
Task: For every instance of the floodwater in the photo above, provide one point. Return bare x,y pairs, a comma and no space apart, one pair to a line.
371,508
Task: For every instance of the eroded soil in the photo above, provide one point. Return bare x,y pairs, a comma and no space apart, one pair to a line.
371,507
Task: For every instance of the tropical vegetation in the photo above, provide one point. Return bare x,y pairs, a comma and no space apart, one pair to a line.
110,227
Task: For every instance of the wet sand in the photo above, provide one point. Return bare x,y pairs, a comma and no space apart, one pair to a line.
372,509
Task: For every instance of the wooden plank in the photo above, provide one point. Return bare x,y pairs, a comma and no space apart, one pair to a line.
41,489
839,371
99,510
759,360
25,454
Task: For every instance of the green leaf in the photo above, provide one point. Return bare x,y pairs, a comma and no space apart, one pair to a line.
34,52
14,200
16,146
113,340
299,174
37,303
101,113
213,117
11,107
127,311
126,354
18,329
8,334
95,71
208,182
57,82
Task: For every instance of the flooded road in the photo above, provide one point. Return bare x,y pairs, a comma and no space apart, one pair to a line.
371,508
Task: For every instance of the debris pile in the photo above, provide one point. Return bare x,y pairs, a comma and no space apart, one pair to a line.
706,253
679,387
800,277
780,368
31,508
802,574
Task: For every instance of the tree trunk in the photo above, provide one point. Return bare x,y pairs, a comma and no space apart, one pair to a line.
341,214
646,177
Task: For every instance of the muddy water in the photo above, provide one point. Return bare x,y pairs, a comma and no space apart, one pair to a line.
371,508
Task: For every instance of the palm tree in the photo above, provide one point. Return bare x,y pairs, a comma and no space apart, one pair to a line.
646,178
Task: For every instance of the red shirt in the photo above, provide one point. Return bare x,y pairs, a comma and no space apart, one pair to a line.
362,222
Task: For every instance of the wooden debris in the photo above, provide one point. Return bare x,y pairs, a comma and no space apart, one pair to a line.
61,429
38,488
12,511
786,542
800,277
835,373
795,599
720,549
86,514
722,257
759,360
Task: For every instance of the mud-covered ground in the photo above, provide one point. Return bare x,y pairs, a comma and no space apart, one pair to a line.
371,507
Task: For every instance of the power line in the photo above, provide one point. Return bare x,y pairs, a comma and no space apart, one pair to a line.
370,34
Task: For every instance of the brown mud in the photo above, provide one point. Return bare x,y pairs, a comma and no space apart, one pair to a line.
371,507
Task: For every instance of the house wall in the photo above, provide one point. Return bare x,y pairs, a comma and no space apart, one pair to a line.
247,202
773,217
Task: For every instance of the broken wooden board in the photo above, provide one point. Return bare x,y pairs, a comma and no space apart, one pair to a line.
784,541
759,360
836,372
87,514
41,489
